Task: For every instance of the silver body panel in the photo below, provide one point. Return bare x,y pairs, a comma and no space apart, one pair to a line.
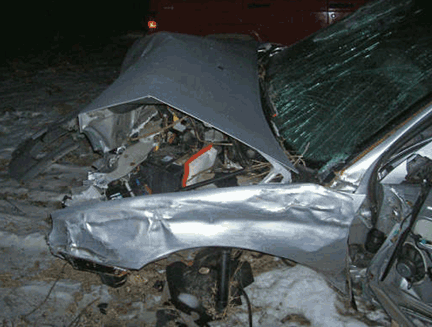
356,176
211,80
304,222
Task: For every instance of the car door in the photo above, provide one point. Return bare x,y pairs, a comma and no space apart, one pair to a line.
399,275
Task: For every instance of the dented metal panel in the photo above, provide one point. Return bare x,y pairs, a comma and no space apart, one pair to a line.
211,80
304,222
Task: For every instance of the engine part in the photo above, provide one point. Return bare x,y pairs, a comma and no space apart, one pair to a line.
159,179
117,190
128,160
157,174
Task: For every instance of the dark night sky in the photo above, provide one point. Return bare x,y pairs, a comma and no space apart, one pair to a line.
40,26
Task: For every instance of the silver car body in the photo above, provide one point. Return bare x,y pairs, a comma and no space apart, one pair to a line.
216,83
305,222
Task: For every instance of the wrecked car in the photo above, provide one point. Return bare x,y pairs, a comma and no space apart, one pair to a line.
320,153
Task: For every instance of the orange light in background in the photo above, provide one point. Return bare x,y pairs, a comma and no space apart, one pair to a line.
152,24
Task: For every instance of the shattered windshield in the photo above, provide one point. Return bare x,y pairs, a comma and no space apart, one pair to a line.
345,86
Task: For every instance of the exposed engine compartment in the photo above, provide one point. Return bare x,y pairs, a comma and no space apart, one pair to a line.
168,151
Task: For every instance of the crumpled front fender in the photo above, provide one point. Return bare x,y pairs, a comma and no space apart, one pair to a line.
304,222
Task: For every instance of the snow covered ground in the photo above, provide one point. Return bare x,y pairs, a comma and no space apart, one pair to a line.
37,289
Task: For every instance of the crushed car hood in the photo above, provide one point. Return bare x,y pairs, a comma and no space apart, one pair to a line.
212,80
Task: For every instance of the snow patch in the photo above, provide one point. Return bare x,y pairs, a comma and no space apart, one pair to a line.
297,291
